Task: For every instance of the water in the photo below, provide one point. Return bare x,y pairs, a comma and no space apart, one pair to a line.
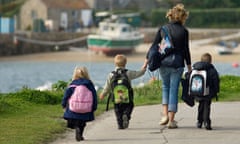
40,75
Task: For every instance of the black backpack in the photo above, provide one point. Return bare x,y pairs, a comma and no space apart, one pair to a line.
121,89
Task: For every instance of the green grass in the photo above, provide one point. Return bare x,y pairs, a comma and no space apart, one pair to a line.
23,122
229,88
35,117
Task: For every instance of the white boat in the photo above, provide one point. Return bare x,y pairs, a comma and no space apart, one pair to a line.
226,47
114,38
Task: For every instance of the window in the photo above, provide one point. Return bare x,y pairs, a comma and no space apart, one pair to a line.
112,28
105,28
125,29
34,14
74,14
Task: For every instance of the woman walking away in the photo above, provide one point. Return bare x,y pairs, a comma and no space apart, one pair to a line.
79,102
171,71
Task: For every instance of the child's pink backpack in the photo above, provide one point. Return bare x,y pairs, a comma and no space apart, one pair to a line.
81,100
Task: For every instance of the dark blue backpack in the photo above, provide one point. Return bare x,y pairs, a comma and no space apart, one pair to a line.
154,58
156,55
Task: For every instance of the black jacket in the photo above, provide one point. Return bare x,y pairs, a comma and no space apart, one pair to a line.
213,80
180,40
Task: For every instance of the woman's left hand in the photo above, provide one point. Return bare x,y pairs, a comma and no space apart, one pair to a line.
145,64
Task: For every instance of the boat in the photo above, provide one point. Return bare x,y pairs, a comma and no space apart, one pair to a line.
114,37
226,47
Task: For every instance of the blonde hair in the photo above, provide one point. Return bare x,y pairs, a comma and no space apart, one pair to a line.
80,72
206,57
120,60
177,13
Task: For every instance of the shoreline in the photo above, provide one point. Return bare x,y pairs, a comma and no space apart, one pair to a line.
83,55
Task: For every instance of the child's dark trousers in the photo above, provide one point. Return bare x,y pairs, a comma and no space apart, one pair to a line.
204,109
121,110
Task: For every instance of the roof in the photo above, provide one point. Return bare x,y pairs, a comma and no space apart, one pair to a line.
66,4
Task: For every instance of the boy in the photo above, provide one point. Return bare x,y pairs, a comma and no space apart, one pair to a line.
212,81
122,110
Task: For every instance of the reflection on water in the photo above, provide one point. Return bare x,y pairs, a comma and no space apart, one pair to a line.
15,75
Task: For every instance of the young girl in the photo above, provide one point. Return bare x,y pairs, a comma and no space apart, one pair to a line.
75,120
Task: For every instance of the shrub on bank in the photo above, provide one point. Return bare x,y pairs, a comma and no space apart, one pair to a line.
203,18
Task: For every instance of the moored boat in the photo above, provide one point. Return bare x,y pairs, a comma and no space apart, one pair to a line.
113,38
226,47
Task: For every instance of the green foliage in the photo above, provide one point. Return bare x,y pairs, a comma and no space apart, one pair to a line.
158,17
149,94
211,3
214,18
31,124
9,8
204,18
32,116
40,97
229,88
4,104
60,86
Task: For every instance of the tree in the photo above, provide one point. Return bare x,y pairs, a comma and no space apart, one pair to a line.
10,7
211,3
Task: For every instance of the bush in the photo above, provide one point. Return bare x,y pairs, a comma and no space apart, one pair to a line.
39,97
60,86
149,94
203,18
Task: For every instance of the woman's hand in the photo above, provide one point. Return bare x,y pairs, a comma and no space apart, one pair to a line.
144,66
101,96
189,67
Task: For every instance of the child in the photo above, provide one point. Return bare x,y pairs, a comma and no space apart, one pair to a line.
122,110
76,120
213,83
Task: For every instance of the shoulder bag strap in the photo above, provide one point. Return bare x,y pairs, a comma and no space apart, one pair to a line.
167,31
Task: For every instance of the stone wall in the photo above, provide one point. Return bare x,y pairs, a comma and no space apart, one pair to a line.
10,46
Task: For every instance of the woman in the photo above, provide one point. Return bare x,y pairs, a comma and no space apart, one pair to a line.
171,74
76,120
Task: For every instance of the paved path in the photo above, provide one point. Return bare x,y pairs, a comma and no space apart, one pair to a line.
144,128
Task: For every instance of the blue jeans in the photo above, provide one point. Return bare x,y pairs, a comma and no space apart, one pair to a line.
170,85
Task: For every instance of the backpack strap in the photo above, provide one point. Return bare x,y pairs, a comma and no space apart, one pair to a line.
125,73
167,32
70,86
116,71
110,95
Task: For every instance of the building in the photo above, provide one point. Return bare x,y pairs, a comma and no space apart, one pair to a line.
54,15
105,5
